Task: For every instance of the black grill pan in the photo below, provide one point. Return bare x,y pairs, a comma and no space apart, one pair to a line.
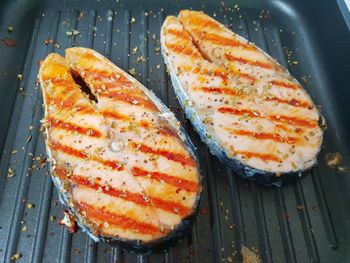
305,221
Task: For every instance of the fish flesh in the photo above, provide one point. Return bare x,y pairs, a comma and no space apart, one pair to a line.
252,114
123,165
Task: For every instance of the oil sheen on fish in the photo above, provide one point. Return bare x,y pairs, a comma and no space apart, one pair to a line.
250,111
123,165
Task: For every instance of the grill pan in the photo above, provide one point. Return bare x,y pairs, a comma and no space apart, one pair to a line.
304,221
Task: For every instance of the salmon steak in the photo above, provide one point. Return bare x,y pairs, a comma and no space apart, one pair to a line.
124,167
252,114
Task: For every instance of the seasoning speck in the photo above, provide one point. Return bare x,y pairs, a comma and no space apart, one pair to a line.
29,138
16,256
249,256
132,20
343,169
140,59
132,71
300,207
75,32
333,159
30,206
10,29
134,50
10,172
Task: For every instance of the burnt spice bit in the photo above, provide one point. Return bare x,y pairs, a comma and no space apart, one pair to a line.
9,42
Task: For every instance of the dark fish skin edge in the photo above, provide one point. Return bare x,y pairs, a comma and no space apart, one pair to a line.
260,176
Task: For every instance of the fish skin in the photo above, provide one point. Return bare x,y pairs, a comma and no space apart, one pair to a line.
200,56
61,71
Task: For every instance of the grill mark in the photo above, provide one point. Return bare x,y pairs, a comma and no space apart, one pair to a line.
61,82
264,136
164,130
232,92
170,206
117,220
89,56
117,78
184,50
246,76
262,156
220,40
217,73
176,157
169,179
249,62
69,104
139,199
222,75
226,91
197,21
81,154
108,85
73,127
132,100
182,34
284,84
237,73
292,102
167,131
109,190
278,118
115,115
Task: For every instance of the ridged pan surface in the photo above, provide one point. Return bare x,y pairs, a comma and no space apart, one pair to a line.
304,221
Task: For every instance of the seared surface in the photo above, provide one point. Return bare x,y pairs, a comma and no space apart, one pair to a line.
247,102
125,169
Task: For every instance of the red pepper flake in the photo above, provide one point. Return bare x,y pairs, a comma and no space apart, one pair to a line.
285,215
9,42
191,253
204,211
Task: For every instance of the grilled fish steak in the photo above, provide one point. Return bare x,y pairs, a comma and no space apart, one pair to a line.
250,111
123,165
